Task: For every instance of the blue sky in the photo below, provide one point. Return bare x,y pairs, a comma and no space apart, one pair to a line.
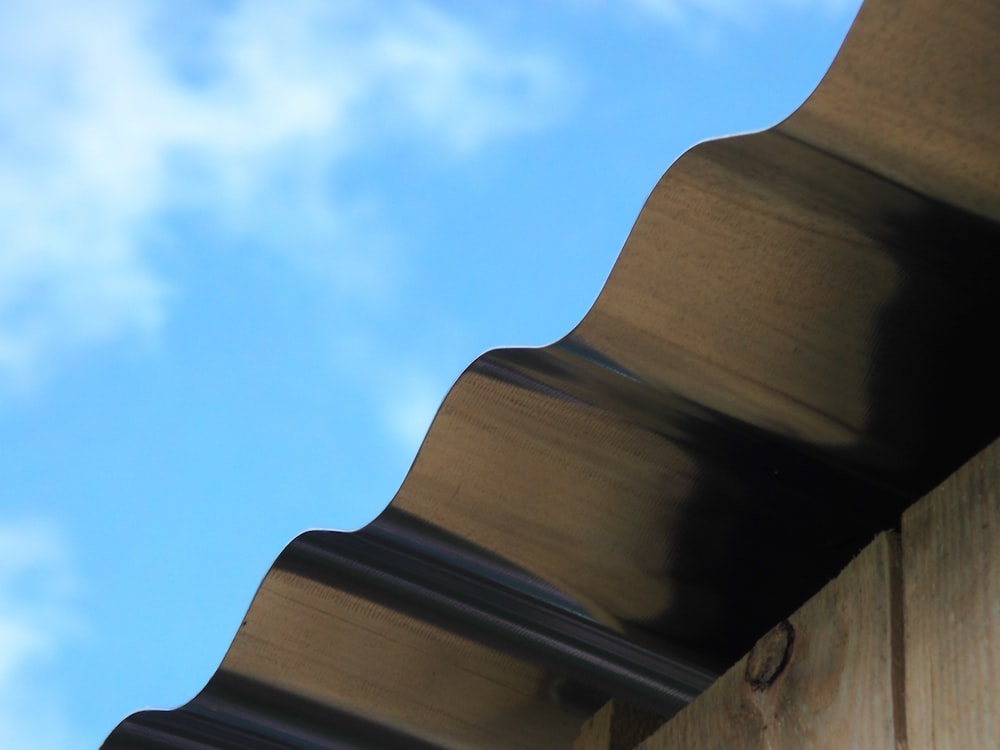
247,246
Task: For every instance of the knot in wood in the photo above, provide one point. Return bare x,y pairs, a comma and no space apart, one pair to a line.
769,656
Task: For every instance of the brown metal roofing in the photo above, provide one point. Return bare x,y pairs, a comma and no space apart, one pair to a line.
796,342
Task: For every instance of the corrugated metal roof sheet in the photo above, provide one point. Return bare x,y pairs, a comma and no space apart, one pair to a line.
794,344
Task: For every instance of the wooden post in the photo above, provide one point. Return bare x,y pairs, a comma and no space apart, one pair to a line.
618,726
596,733
951,554
828,677
901,650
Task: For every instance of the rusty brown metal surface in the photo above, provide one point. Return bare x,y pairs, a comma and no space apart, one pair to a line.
795,343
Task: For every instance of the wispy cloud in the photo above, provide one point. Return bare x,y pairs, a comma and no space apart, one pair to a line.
405,387
696,15
37,593
412,400
113,113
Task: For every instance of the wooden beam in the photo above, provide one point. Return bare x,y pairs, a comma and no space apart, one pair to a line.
618,726
828,677
951,553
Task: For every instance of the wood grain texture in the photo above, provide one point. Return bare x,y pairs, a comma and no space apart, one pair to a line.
912,95
596,733
618,726
951,550
825,678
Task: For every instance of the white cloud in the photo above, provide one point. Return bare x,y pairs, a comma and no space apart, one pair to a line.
688,14
113,113
407,390
37,592
35,582
413,398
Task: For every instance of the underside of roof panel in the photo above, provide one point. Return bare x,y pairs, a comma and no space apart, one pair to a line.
796,343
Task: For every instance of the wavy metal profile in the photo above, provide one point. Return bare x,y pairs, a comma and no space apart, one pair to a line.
795,343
